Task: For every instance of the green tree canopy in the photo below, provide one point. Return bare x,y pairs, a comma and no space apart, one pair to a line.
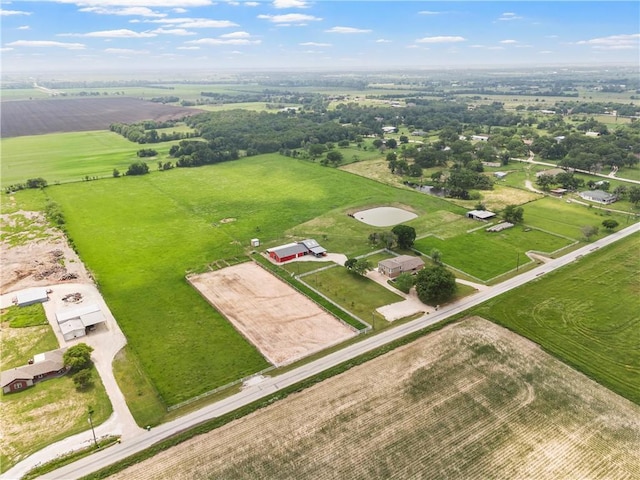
435,285
513,214
78,357
405,235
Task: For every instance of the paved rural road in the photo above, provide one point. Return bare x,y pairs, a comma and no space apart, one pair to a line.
269,385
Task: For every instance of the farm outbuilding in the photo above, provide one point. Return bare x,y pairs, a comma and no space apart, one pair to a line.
290,251
31,296
480,214
393,267
44,365
75,321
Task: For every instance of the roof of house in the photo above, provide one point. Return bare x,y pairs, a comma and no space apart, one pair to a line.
289,249
597,194
481,214
43,363
405,262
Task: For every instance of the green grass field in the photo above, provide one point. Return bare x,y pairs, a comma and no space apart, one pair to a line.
141,235
64,157
355,293
487,255
585,314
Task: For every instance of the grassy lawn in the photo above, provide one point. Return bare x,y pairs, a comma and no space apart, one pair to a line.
587,315
19,345
355,293
141,235
486,255
558,216
48,412
64,157
29,316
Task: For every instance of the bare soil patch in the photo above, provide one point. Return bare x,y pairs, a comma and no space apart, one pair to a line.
472,401
282,323
37,117
36,259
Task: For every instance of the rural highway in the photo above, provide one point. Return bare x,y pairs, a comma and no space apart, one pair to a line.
270,385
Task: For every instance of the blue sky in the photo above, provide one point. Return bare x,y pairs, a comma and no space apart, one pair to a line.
137,35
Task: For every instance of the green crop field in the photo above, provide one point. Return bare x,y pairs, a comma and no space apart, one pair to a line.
587,315
141,235
63,157
486,255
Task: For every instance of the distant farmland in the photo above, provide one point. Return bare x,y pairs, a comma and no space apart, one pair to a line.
36,117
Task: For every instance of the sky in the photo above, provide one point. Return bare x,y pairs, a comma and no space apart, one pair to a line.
201,35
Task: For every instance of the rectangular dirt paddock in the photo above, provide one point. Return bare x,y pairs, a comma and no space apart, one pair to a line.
282,323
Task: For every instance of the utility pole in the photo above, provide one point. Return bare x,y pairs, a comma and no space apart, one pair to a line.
90,412
518,263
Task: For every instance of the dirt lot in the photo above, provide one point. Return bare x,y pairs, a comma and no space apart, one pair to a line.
32,254
283,324
37,117
471,401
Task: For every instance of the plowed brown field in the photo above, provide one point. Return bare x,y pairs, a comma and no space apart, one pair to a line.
471,401
37,117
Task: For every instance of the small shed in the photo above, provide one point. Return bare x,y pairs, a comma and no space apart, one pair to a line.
31,296
480,138
73,328
480,214
314,247
500,175
255,242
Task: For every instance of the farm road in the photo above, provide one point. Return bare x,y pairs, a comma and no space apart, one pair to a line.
270,385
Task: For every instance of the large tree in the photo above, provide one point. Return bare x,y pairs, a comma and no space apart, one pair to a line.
435,285
513,214
78,357
405,235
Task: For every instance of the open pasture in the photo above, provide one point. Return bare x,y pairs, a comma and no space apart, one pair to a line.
485,255
37,117
282,323
472,401
141,235
586,314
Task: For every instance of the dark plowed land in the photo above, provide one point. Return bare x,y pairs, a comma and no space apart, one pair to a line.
36,117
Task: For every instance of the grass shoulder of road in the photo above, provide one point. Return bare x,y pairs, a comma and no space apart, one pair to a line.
48,412
585,314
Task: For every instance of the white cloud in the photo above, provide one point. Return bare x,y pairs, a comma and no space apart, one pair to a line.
130,11
224,41
290,18
508,16
429,12
383,40
5,49
179,10
347,30
197,22
173,31
495,48
7,13
509,42
236,35
315,44
46,43
125,51
141,3
441,39
188,48
121,33
476,46
545,52
251,4
289,4
24,27
614,42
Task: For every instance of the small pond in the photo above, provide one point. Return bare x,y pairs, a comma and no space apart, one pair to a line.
384,216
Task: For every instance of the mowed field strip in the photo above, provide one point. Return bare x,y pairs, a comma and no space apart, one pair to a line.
282,323
472,400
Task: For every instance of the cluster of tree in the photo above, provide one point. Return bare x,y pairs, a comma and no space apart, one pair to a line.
359,266
137,168
38,182
166,99
78,360
267,96
146,132
195,153
401,235
460,180
163,166
147,152
53,212
564,179
264,132
599,108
